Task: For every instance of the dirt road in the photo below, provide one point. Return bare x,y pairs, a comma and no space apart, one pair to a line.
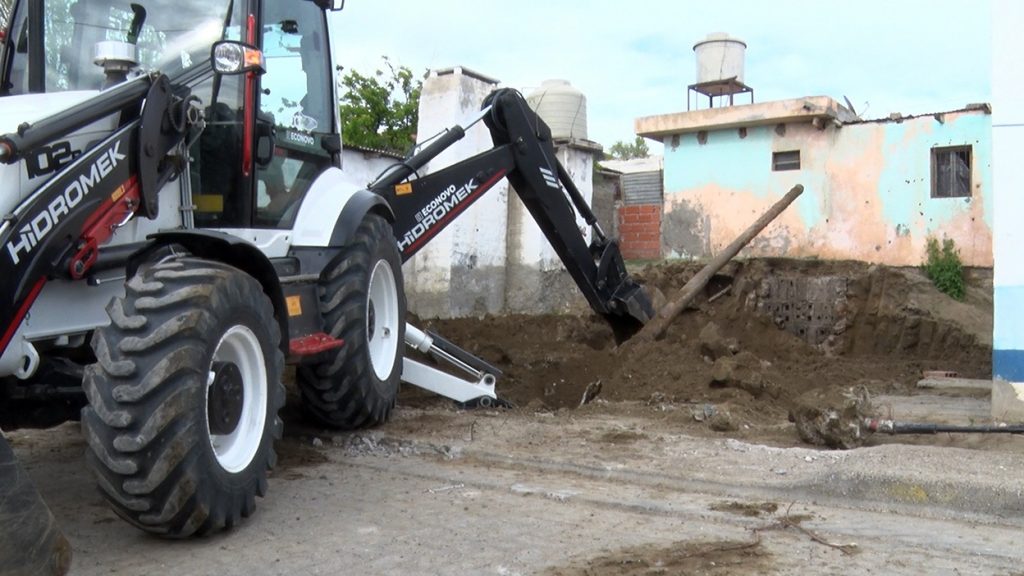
686,462
594,492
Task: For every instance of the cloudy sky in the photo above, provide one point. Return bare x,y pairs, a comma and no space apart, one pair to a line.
635,58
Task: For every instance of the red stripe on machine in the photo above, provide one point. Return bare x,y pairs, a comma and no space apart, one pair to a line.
458,209
20,314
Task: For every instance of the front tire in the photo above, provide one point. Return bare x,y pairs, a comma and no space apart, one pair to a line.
363,302
183,399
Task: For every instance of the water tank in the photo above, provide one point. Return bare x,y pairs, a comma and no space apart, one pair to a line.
719,57
562,107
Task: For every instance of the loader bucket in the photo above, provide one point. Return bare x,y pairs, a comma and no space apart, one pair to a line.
30,542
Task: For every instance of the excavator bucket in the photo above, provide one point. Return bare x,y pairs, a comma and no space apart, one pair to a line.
30,542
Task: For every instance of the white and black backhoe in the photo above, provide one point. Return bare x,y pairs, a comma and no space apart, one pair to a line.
177,228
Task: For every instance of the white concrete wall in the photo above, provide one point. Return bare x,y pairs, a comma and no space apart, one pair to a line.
1008,173
538,282
534,249
493,258
461,271
364,166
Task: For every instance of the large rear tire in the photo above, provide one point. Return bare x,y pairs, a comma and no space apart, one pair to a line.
183,399
363,303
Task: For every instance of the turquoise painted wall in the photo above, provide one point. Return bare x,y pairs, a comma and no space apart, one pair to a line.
744,163
905,182
877,173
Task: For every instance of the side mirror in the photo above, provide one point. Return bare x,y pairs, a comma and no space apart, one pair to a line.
232,57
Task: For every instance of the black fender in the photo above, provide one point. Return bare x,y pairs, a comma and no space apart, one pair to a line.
222,247
359,205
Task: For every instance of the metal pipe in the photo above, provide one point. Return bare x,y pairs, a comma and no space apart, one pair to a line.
894,427
67,121
407,168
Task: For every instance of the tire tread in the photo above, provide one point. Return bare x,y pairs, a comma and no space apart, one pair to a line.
148,444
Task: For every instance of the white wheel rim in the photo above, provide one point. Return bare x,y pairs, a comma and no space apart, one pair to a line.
382,319
241,347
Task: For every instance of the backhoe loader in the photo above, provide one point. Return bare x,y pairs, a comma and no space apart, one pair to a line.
177,227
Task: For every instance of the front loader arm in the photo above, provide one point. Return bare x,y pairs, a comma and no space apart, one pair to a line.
523,152
57,231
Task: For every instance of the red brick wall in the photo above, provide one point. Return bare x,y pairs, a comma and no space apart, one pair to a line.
640,231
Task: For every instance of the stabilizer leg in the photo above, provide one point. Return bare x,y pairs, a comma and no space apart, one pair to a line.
475,391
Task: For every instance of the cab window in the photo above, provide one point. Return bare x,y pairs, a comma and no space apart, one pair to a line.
295,96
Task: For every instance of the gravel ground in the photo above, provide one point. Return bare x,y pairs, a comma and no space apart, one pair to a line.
589,492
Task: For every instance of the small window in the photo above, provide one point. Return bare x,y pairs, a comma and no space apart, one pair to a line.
786,160
951,172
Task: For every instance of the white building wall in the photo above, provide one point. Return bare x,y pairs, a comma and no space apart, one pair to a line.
493,258
1008,174
364,166
461,272
538,282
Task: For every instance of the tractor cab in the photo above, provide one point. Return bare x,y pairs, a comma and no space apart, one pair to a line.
68,45
266,135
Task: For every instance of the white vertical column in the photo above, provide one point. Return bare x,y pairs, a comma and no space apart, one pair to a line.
461,272
1008,237
537,281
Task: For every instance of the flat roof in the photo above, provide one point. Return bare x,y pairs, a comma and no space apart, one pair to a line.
464,71
767,113
762,113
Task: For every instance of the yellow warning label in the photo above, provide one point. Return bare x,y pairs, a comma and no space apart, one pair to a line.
117,194
403,189
294,305
208,203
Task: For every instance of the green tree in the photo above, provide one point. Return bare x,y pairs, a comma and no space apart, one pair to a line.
380,110
622,151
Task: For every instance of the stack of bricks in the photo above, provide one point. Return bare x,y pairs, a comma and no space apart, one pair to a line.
640,231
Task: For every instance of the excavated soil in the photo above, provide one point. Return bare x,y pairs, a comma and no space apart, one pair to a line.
704,558
728,359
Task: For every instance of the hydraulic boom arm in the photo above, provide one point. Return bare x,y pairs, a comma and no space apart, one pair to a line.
523,152
56,233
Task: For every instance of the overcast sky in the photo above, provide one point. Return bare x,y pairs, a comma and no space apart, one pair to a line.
635,58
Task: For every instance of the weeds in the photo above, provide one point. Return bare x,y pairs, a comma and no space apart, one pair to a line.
943,266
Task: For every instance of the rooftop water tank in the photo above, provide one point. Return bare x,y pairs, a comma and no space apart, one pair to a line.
719,57
562,107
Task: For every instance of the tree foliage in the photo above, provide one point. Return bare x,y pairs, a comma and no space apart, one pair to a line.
622,151
380,110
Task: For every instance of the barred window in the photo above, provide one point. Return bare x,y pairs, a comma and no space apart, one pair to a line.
789,160
951,172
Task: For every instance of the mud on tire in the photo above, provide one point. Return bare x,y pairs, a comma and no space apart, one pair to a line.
363,303
192,346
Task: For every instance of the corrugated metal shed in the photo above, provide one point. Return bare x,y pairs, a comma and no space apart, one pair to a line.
642,188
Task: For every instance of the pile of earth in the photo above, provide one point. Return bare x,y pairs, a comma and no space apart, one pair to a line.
728,359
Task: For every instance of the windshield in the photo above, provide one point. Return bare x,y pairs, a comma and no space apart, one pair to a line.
170,35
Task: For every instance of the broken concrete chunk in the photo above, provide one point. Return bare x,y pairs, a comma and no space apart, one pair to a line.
722,421
833,418
713,345
745,372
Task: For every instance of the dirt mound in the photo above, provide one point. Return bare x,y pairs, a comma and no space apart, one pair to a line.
736,354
